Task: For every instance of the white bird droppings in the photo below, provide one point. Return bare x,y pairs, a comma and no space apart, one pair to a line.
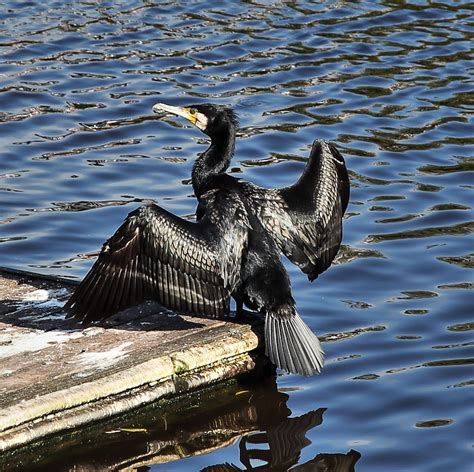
32,341
102,360
36,296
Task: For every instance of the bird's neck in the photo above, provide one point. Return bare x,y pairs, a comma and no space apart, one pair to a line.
214,161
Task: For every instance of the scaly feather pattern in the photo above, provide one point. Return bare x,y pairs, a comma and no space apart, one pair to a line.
187,267
305,219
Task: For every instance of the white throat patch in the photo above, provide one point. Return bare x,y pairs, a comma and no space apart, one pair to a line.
201,121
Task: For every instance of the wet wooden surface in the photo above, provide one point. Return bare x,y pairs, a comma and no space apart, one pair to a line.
57,375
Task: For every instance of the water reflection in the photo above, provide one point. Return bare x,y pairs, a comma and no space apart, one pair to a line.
283,445
320,463
250,417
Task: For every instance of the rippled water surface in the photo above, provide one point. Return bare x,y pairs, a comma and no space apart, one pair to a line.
391,83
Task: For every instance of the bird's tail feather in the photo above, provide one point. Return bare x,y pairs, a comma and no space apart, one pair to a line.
290,344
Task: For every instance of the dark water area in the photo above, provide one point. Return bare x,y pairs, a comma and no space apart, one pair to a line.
391,83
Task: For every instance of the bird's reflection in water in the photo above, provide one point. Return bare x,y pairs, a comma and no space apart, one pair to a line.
279,439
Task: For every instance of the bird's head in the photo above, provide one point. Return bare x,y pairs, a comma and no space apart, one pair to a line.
212,120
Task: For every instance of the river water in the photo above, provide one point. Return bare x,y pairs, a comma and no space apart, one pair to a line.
390,83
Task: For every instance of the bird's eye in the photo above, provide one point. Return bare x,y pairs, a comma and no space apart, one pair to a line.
193,111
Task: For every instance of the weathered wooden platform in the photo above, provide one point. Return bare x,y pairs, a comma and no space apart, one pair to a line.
56,375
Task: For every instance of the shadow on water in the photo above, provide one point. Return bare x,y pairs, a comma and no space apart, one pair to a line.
250,416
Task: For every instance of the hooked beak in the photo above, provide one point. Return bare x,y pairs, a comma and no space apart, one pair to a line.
196,118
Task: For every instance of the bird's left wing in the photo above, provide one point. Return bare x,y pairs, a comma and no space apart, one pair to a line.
187,267
305,219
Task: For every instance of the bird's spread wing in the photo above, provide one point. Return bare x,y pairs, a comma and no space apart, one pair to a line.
187,267
305,219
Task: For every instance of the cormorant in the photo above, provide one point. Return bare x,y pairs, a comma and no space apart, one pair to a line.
234,247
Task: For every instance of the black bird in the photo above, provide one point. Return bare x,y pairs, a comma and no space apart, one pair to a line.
233,249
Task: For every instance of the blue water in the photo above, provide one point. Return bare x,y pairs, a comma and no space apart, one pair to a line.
391,83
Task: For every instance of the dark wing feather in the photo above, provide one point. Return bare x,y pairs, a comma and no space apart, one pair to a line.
187,267
305,219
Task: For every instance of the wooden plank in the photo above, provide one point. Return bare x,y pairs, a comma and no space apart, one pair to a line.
57,375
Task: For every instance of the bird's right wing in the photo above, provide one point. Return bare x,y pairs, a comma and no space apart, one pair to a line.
187,267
